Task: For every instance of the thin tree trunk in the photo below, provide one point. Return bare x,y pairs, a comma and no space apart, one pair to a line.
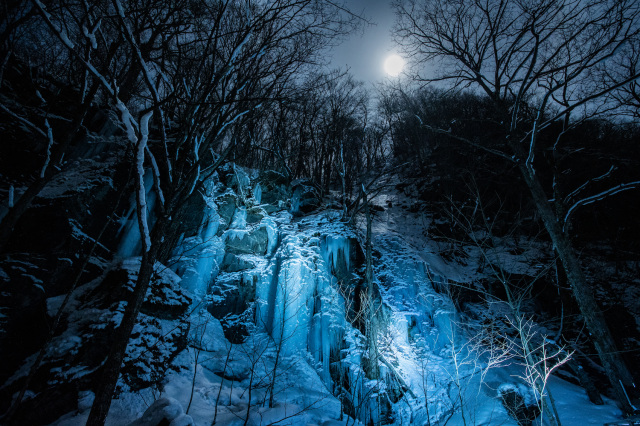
372,326
111,369
193,381
224,371
343,181
43,351
246,419
612,361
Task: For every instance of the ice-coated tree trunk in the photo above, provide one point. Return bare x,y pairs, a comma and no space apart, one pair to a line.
151,246
613,363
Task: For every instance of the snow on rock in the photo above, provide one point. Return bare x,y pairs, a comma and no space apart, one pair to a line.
165,296
85,175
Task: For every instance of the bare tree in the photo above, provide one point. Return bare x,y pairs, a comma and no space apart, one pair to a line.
203,75
538,63
509,325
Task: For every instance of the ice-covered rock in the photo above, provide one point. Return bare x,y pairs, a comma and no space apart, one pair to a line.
240,181
274,189
237,262
257,193
255,215
226,207
247,241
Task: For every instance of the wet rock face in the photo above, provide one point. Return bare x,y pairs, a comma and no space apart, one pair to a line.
191,216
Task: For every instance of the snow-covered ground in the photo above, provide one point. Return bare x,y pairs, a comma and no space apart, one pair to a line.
302,361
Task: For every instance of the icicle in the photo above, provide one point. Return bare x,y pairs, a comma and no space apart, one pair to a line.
257,193
336,251
272,234
208,255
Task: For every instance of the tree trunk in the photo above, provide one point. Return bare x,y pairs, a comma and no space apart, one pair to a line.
371,320
343,182
52,330
111,369
612,361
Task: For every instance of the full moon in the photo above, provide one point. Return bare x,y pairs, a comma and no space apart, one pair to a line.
393,65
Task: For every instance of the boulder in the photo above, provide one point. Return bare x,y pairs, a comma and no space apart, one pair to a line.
231,302
255,215
274,188
305,197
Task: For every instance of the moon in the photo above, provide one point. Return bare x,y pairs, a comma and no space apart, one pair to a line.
393,65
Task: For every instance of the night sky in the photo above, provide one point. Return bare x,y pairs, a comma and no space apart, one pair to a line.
365,51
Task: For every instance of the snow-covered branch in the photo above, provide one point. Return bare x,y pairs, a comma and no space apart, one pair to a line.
62,36
23,121
156,174
49,145
140,193
584,185
128,121
600,196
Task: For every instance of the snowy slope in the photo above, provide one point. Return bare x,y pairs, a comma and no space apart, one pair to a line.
277,334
